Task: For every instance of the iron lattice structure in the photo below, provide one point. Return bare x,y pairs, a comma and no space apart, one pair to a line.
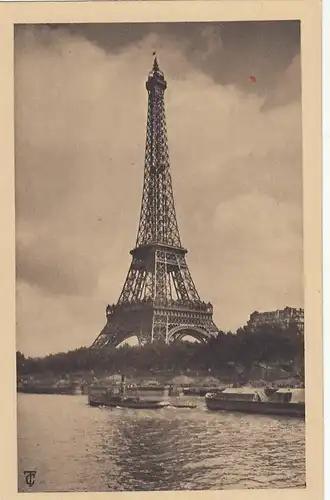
159,300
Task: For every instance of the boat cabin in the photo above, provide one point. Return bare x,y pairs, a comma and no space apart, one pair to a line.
148,393
242,394
288,395
102,393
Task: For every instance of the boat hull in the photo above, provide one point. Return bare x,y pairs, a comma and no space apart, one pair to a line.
61,390
113,402
267,408
191,407
117,402
143,405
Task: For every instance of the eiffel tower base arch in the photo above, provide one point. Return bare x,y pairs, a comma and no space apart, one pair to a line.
151,324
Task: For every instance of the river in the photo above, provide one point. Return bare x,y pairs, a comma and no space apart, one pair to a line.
74,447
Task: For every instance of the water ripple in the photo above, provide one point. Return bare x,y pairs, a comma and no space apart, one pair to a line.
90,449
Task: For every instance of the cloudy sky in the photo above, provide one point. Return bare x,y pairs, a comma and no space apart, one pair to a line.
235,148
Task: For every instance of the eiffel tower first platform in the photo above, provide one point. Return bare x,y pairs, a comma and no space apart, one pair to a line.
159,300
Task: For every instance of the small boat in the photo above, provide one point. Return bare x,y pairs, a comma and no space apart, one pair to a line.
284,401
101,396
132,396
197,391
142,404
183,405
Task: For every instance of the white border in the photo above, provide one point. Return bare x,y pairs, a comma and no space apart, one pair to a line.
309,11
326,233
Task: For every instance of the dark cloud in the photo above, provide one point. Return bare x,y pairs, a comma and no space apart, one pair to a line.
228,52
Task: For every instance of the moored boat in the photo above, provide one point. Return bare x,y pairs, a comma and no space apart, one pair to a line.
142,404
284,401
99,395
197,391
39,388
183,405
145,396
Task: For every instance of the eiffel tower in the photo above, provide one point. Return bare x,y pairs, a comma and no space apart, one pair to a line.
159,300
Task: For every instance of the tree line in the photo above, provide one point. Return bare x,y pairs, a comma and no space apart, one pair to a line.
267,343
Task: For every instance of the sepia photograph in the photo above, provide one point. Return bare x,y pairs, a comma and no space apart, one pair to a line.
160,293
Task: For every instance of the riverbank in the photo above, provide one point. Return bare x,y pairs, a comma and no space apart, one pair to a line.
194,384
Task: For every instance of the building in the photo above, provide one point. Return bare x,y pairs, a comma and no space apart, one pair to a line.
281,317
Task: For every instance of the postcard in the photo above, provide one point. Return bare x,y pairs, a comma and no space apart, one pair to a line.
161,255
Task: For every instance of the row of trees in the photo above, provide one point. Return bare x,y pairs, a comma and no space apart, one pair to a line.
265,344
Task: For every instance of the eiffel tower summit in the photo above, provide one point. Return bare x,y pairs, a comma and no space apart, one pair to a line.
159,300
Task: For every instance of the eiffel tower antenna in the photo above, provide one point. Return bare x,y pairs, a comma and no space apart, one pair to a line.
159,300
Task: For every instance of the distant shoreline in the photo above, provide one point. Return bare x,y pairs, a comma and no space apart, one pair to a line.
196,385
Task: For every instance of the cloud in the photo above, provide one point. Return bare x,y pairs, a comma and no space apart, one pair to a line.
48,264
287,85
80,115
49,323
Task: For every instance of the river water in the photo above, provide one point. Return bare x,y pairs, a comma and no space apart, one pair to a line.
74,447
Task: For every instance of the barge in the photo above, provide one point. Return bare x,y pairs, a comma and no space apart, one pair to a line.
67,389
284,401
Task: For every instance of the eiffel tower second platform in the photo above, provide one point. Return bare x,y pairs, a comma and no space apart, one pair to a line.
159,300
